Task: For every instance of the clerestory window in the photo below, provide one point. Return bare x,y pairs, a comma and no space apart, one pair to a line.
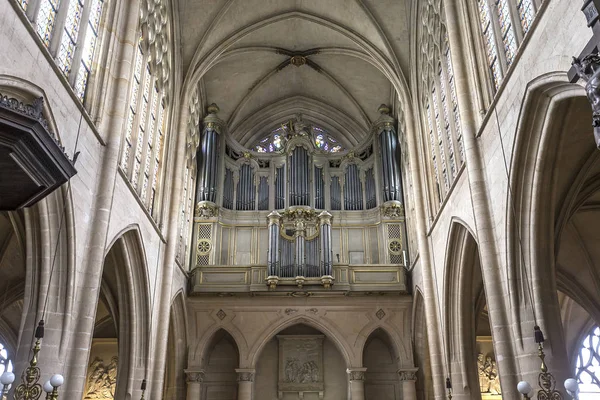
141,157
504,24
69,29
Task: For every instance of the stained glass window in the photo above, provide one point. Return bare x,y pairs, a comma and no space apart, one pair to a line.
440,142
432,144
46,19
587,371
276,140
89,45
23,4
273,142
507,30
324,141
526,13
490,42
150,144
157,161
69,37
454,101
145,100
137,77
447,128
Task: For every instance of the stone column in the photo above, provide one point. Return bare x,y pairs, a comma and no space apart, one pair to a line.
245,383
356,376
408,377
194,379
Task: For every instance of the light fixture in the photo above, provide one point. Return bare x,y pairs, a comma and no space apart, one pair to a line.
572,388
525,389
51,386
6,379
546,380
29,388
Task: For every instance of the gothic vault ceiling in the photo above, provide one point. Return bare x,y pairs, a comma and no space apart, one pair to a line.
264,61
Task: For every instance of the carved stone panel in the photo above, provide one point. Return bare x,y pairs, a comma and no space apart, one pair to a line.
301,364
101,379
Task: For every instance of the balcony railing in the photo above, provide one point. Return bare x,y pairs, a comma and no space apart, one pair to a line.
379,278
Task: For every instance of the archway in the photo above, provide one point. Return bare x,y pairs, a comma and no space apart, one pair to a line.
292,358
175,387
220,361
381,361
469,337
118,355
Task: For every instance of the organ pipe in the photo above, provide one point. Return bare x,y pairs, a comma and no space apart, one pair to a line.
389,154
206,182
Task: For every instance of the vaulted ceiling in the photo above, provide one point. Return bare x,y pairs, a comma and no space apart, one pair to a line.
264,61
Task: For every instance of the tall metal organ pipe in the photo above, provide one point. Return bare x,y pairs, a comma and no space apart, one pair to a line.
326,248
206,182
390,159
274,219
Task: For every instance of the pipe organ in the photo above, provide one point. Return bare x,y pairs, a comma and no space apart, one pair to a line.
297,199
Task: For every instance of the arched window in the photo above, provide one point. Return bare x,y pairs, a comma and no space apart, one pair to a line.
186,207
441,114
69,28
503,24
275,141
587,370
5,362
141,158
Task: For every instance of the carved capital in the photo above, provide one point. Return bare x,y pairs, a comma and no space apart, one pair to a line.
206,210
408,374
356,374
245,375
392,209
194,376
325,218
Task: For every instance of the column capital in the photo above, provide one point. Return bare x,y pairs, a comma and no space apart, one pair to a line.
385,122
356,374
325,217
211,121
274,218
245,374
408,374
194,376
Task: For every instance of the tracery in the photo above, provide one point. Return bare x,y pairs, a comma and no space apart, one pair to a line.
587,370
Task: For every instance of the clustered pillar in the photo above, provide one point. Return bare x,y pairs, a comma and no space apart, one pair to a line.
390,157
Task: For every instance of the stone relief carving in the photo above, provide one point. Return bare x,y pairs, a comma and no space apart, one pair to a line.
101,380
489,381
301,364
407,375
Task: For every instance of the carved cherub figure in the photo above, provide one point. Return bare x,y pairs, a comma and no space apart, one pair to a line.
588,69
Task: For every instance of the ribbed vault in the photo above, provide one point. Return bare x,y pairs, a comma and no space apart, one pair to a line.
263,62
